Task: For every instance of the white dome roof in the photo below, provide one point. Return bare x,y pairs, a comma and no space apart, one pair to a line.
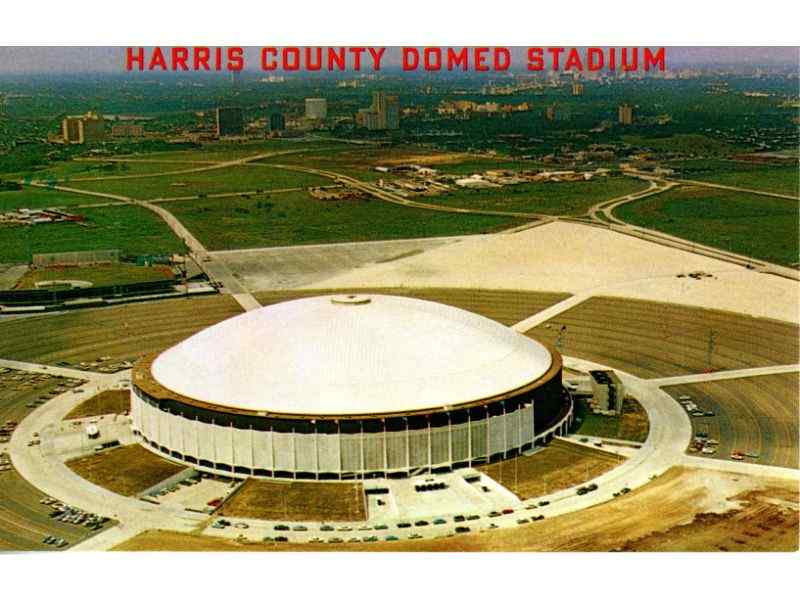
351,355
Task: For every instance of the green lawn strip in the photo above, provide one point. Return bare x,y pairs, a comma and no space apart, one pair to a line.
132,229
216,181
758,226
551,198
296,218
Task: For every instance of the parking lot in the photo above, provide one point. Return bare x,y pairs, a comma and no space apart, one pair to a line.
25,522
756,417
655,339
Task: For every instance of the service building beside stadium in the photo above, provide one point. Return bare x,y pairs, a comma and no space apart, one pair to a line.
345,387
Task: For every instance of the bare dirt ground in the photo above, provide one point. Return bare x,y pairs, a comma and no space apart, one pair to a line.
559,466
110,402
127,471
427,159
297,501
683,510
632,425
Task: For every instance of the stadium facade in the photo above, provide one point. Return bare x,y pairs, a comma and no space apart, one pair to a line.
349,387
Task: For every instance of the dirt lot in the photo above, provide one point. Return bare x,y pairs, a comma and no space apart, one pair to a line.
297,501
632,425
683,510
756,415
110,402
558,466
122,332
507,307
128,470
654,339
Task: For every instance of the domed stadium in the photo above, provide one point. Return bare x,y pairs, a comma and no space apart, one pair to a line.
349,387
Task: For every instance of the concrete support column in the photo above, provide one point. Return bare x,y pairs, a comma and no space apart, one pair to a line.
385,447
469,438
316,449
408,445
449,439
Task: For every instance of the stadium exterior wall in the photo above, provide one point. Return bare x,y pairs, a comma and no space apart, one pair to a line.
397,445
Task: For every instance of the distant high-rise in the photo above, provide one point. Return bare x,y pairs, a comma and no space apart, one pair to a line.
625,114
577,88
383,114
83,129
230,121
316,108
277,122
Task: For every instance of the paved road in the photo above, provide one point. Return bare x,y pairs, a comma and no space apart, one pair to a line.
51,370
607,207
54,478
204,166
549,313
722,375
217,272
732,188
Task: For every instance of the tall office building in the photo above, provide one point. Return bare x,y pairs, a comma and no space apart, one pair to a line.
230,121
277,122
625,114
316,108
84,129
382,115
577,88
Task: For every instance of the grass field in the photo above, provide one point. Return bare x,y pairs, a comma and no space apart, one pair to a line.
559,466
132,229
360,162
98,275
780,179
757,415
653,339
246,178
297,501
296,218
110,402
757,226
225,151
565,198
127,470
682,142
31,197
76,170
632,425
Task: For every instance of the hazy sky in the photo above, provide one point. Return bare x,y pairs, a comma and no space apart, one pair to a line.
70,59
